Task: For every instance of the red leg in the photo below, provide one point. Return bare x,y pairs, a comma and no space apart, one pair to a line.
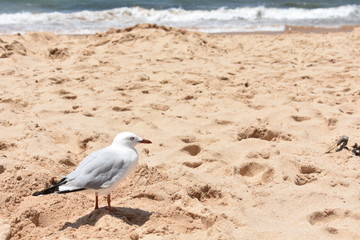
96,201
109,201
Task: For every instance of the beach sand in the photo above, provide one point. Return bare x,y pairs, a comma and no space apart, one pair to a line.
240,124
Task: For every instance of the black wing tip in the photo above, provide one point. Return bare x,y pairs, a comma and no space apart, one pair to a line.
53,189
46,191
36,194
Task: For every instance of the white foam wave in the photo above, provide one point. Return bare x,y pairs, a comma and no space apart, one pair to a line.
219,20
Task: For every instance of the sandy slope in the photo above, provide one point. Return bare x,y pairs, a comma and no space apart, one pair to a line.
239,125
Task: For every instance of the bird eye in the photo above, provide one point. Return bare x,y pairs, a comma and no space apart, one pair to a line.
132,138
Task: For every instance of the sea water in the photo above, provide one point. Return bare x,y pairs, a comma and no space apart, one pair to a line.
213,16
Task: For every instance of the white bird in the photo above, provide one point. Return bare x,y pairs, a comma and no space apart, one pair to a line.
101,171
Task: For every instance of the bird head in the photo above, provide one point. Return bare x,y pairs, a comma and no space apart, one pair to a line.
128,139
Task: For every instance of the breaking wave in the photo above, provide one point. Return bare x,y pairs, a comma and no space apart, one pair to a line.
218,20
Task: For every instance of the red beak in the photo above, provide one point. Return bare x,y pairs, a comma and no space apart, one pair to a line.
145,141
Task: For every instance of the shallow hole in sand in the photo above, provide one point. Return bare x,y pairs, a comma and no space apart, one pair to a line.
192,164
300,118
261,133
250,169
203,192
188,139
193,150
253,171
308,169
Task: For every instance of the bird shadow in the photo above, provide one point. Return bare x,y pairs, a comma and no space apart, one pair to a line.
131,216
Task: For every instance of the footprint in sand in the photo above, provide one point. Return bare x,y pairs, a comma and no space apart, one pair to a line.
67,95
264,154
160,107
307,174
223,122
336,221
255,172
189,97
58,80
88,114
8,49
331,122
195,164
84,141
58,53
188,139
203,192
191,82
121,109
300,118
192,149
185,218
262,133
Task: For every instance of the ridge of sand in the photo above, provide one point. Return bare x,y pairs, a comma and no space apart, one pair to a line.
239,125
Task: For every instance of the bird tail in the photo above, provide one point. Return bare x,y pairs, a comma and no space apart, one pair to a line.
55,189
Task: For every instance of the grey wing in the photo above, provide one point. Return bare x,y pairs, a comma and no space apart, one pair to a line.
98,170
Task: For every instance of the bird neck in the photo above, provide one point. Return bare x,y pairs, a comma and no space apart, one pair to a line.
123,146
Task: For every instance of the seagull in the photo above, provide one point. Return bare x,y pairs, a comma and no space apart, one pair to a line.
101,171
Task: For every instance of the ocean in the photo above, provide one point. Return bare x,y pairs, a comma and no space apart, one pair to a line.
212,16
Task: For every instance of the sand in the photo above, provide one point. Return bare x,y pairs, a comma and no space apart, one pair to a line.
239,123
